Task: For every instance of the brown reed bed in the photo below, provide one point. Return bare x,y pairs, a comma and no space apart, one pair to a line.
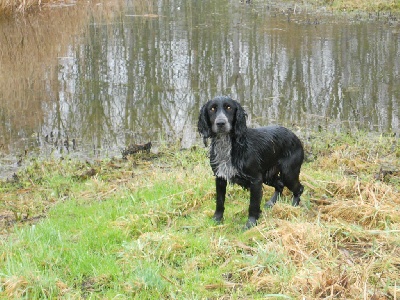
8,7
24,7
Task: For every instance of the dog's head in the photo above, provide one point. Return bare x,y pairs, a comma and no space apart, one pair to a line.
222,115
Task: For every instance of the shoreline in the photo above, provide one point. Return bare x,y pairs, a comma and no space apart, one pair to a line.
17,7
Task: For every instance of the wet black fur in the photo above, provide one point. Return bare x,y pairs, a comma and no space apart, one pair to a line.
272,155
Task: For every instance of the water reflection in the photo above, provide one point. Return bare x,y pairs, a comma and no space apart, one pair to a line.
111,76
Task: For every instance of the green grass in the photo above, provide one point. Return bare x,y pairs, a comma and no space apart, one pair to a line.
352,5
142,228
365,5
18,6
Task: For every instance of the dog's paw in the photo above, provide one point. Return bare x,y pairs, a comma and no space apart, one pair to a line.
251,222
296,201
269,204
218,218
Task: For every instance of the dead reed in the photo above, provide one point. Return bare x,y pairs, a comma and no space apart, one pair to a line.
22,6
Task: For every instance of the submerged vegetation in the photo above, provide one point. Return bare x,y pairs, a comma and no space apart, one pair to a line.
141,228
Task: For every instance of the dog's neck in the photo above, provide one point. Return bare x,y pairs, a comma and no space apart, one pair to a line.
221,157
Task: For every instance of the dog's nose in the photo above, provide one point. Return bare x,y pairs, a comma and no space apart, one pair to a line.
221,123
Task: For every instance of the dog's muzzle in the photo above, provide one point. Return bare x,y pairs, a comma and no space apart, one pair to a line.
221,124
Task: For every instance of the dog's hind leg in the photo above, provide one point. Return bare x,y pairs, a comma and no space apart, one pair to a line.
290,172
292,182
278,185
296,194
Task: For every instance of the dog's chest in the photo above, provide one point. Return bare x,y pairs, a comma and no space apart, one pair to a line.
221,158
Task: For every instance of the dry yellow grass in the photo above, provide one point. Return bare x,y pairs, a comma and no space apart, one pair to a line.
349,238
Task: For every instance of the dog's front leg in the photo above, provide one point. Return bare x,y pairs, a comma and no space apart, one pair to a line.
255,202
220,184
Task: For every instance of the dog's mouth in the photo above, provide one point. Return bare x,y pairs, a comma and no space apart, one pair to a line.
221,128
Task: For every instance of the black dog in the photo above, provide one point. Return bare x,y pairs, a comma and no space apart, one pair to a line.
249,157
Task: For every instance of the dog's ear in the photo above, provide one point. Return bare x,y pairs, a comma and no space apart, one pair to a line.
240,120
203,124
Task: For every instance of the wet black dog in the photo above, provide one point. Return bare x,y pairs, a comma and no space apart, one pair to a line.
249,157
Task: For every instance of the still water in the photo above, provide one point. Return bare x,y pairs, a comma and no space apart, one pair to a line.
89,80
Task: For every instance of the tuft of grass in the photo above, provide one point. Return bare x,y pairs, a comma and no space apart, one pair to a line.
141,228
362,5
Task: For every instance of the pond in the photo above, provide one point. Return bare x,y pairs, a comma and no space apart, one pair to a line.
88,80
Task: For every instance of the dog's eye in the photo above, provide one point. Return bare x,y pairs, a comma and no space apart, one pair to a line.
213,108
228,107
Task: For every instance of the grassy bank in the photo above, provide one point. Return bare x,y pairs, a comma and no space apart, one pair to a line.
363,5
353,5
141,229
21,6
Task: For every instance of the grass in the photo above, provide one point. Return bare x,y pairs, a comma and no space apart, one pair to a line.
371,6
364,5
8,7
141,228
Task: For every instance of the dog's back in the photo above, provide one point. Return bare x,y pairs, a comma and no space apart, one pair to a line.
275,143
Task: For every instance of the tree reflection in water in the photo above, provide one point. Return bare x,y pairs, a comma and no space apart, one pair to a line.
124,75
